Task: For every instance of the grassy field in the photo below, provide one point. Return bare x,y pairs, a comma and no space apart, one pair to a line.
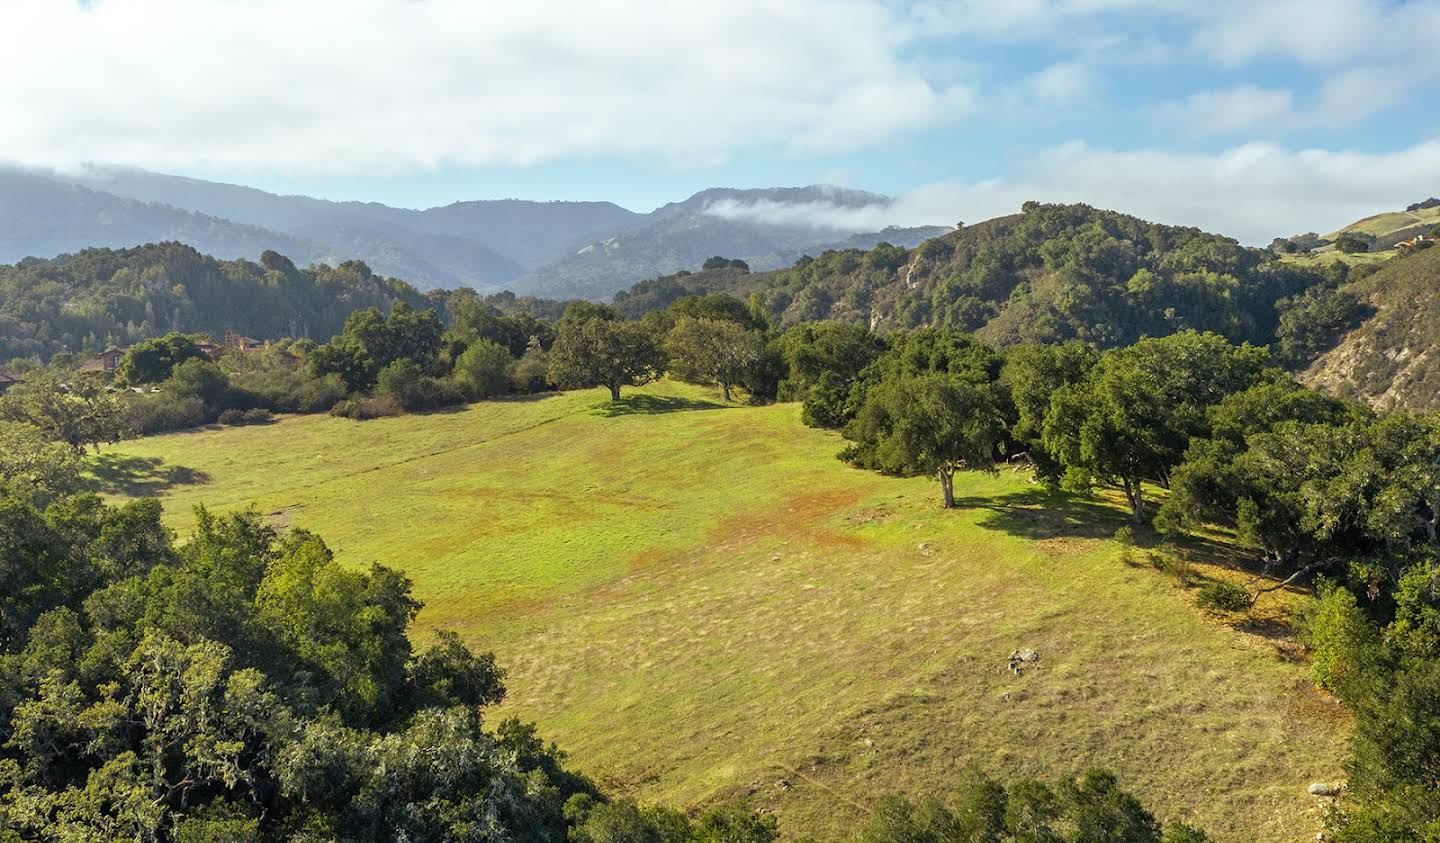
701,603
1331,255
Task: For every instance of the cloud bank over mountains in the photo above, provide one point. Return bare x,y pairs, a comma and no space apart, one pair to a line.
1252,192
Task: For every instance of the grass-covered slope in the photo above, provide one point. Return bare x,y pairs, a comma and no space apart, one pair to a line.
702,603
1392,360
1382,230
1391,227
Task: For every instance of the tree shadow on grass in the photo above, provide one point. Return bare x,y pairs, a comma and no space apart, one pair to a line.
1041,513
142,477
651,405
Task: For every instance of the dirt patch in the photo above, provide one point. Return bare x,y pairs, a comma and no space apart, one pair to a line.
1055,548
872,515
1313,704
800,517
281,518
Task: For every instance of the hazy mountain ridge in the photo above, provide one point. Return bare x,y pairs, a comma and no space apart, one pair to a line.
681,235
562,249
42,217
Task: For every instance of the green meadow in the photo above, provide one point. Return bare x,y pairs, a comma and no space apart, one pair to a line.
700,604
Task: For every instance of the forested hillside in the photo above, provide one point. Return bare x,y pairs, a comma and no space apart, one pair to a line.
102,297
1392,358
1051,273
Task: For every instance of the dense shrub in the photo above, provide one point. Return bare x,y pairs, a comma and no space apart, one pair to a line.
361,408
1352,244
1312,322
531,371
164,411
407,385
718,262
1089,809
200,378
1223,596
484,370
239,417
290,390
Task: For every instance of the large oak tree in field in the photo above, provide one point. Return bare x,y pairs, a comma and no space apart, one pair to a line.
926,424
714,351
599,349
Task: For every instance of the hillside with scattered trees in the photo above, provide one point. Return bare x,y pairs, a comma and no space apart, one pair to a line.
1380,337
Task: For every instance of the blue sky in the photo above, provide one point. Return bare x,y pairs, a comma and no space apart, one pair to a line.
1251,118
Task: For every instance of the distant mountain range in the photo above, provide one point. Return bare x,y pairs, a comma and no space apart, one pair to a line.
557,249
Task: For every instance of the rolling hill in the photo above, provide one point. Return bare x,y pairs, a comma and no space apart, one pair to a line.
1382,231
1392,359
701,604
98,297
1391,227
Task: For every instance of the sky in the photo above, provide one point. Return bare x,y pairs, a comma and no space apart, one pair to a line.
1254,118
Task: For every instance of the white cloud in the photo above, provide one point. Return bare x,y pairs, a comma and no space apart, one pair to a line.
355,85
1352,95
1320,33
818,215
1344,99
1231,110
1063,82
1033,20
1253,192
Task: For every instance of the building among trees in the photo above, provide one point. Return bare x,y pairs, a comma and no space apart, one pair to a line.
106,361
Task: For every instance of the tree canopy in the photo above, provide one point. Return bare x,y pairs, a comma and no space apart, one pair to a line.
1132,417
926,424
715,351
603,350
152,360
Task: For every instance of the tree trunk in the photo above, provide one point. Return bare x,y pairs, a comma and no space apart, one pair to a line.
614,392
725,391
947,485
1137,503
